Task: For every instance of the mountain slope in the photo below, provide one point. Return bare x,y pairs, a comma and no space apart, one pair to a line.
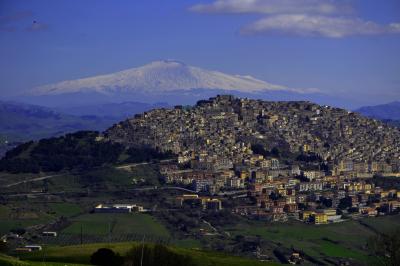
222,125
221,128
119,111
384,111
26,121
159,77
22,122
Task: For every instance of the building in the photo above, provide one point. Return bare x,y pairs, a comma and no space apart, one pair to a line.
47,233
306,215
213,204
310,186
118,208
319,218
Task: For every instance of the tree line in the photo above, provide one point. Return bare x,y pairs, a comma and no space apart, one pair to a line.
80,150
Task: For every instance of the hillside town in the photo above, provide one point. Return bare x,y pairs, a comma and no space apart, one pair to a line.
280,160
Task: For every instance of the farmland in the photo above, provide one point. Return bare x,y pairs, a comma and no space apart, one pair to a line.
341,240
70,199
81,254
102,223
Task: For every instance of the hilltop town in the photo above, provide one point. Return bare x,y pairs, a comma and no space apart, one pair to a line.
287,159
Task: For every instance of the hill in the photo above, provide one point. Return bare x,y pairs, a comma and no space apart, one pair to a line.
81,254
22,121
226,127
390,111
113,111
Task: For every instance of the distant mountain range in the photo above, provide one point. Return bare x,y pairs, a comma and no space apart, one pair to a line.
383,111
167,81
115,111
389,113
20,122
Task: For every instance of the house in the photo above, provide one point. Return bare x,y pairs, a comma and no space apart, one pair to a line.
213,204
319,218
47,233
305,215
34,247
118,208
310,186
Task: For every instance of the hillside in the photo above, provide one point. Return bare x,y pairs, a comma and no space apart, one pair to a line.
222,128
225,127
114,111
81,254
22,122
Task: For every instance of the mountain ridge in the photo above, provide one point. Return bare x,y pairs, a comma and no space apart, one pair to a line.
160,77
389,111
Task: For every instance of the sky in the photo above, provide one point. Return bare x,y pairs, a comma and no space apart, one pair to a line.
347,48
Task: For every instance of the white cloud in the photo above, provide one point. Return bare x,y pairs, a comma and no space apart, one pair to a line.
309,25
326,18
272,6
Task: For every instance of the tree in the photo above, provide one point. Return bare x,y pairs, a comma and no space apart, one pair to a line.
386,248
3,247
345,203
275,152
105,257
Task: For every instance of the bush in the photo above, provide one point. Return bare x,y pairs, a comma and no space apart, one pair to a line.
106,257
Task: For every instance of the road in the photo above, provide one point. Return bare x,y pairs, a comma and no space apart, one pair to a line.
134,189
127,166
32,180
163,188
51,176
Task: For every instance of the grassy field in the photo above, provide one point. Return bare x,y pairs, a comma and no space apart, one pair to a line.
343,240
146,173
383,224
65,209
81,254
118,223
10,219
12,261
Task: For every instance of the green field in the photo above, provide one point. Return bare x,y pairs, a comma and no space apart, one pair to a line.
146,173
383,224
81,254
12,220
118,223
65,209
12,261
343,240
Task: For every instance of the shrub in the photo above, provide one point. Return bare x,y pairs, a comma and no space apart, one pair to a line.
106,257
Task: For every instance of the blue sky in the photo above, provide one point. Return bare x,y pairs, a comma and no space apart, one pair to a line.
349,48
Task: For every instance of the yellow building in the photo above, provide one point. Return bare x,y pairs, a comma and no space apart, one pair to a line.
306,148
320,218
305,215
244,175
330,212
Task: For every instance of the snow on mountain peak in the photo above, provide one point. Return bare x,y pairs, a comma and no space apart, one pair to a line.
159,77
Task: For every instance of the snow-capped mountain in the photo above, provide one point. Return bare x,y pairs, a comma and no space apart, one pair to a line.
160,77
166,81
